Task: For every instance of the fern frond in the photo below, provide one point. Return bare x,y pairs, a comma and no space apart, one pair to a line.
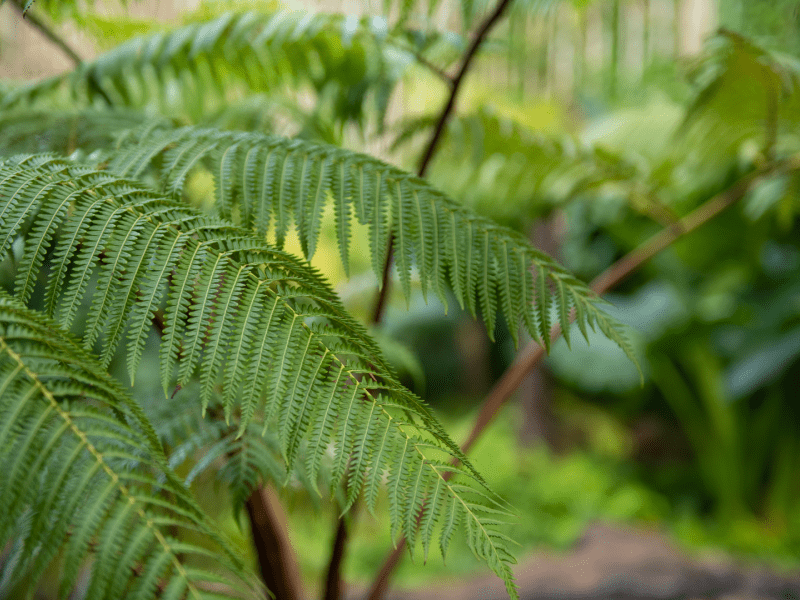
83,475
156,252
447,242
743,92
64,131
210,63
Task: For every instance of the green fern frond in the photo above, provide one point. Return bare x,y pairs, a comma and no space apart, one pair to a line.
743,92
84,478
142,251
242,458
29,131
199,67
261,177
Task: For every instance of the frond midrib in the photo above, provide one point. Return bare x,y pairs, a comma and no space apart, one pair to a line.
99,459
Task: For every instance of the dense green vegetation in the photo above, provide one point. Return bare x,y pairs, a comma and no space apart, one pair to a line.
204,233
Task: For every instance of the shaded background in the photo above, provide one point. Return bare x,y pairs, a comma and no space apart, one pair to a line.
588,126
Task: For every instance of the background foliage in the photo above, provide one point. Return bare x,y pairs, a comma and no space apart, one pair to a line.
587,127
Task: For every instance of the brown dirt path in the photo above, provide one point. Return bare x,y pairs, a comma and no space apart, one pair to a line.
619,563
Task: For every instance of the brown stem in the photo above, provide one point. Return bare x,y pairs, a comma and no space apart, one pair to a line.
608,279
276,558
333,578
47,32
440,73
383,292
433,144
480,36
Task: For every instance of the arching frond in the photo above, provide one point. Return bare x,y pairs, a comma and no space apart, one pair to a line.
262,326
272,183
84,478
29,131
198,68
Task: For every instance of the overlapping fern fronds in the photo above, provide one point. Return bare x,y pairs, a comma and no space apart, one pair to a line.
241,459
270,182
202,67
85,477
30,131
262,326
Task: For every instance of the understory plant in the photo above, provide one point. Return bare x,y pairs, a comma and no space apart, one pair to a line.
110,262
150,201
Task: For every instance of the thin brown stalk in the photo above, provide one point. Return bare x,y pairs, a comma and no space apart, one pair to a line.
334,585
433,144
530,356
47,32
276,557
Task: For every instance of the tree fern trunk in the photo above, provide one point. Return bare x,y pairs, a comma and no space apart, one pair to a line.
334,586
276,558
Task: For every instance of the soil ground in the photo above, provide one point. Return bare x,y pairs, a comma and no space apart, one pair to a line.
618,563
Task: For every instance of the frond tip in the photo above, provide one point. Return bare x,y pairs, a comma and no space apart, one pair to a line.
84,477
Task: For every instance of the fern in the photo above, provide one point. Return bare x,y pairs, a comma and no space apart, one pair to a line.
490,154
30,131
73,443
200,67
272,182
274,379
257,321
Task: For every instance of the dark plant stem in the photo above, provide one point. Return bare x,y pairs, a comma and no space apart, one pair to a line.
47,32
430,150
276,558
383,292
333,578
530,356
440,73
480,36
